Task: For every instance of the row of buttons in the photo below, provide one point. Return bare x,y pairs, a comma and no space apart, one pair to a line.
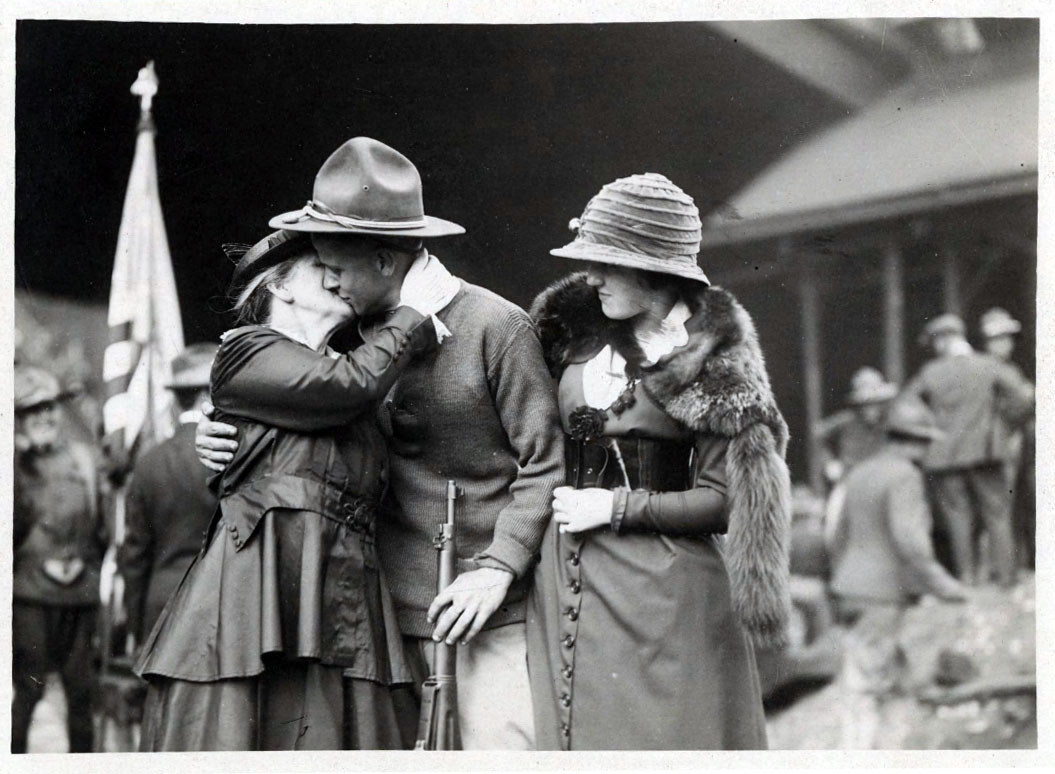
570,603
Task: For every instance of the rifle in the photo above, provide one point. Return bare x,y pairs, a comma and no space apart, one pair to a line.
438,725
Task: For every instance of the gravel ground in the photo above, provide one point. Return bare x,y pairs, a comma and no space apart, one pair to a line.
994,633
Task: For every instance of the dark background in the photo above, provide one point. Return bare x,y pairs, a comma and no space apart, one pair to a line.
513,128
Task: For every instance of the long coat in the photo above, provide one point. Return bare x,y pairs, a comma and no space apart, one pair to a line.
169,508
643,640
290,565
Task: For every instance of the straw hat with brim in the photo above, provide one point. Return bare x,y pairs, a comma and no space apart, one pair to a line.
191,367
641,222
941,325
34,386
997,322
269,251
911,417
869,386
366,187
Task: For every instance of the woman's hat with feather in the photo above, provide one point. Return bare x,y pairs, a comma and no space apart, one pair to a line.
270,251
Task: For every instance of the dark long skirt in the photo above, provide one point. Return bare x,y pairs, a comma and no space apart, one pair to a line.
297,705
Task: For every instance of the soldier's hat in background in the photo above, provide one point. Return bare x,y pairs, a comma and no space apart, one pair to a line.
34,386
191,367
366,187
942,324
869,386
640,222
997,322
909,416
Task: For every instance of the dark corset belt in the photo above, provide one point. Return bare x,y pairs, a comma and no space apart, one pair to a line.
656,465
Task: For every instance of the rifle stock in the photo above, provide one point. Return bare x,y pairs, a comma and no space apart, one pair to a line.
438,724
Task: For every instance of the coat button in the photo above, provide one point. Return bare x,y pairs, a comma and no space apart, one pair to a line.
568,641
567,671
572,614
575,587
574,559
565,700
565,730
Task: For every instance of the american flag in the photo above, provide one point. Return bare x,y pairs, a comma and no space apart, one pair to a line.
146,330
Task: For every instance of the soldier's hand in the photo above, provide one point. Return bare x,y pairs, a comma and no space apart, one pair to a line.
215,442
463,607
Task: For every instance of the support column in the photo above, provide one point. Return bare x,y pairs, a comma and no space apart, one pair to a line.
951,280
810,316
893,313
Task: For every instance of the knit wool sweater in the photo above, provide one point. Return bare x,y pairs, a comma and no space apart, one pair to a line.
480,410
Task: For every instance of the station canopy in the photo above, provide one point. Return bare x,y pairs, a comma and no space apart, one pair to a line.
925,146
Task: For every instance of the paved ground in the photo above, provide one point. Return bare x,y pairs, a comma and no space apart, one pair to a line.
48,732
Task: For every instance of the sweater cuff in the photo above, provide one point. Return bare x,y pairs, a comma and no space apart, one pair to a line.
620,497
508,552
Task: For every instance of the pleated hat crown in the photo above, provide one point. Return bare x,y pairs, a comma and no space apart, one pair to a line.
641,222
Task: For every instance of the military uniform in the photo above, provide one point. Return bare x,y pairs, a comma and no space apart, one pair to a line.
59,540
974,397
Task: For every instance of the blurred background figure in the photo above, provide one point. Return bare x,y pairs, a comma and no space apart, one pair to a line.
1000,332
59,539
882,562
852,434
169,503
972,396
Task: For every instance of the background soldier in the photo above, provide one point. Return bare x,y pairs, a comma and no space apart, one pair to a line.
971,394
59,539
1000,331
882,562
169,504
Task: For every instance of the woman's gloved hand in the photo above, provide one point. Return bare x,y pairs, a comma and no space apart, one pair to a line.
579,510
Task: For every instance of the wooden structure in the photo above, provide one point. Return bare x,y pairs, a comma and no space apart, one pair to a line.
923,202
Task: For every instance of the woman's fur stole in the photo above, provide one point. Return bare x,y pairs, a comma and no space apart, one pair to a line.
716,384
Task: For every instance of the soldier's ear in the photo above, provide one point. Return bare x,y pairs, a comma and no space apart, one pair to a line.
385,262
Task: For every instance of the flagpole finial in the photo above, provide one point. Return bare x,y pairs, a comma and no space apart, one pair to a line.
145,87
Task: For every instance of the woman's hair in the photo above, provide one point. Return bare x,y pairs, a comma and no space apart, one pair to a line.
252,301
683,288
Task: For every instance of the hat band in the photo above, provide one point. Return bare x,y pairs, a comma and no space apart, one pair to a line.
319,211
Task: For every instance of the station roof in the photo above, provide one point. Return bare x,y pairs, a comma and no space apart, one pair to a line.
932,143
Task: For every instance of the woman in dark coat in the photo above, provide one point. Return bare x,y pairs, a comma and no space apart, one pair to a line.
282,634
668,553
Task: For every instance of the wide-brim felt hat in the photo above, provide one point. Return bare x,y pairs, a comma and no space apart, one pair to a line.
270,251
34,386
641,222
940,325
998,322
869,386
192,367
366,187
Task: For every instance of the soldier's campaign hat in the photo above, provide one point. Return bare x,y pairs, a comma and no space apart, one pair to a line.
366,187
191,367
910,416
997,322
942,324
869,386
641,222
34,386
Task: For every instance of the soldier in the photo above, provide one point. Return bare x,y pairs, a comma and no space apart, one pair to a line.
169,503
971,395
882,562
999,331
852,434
59,539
